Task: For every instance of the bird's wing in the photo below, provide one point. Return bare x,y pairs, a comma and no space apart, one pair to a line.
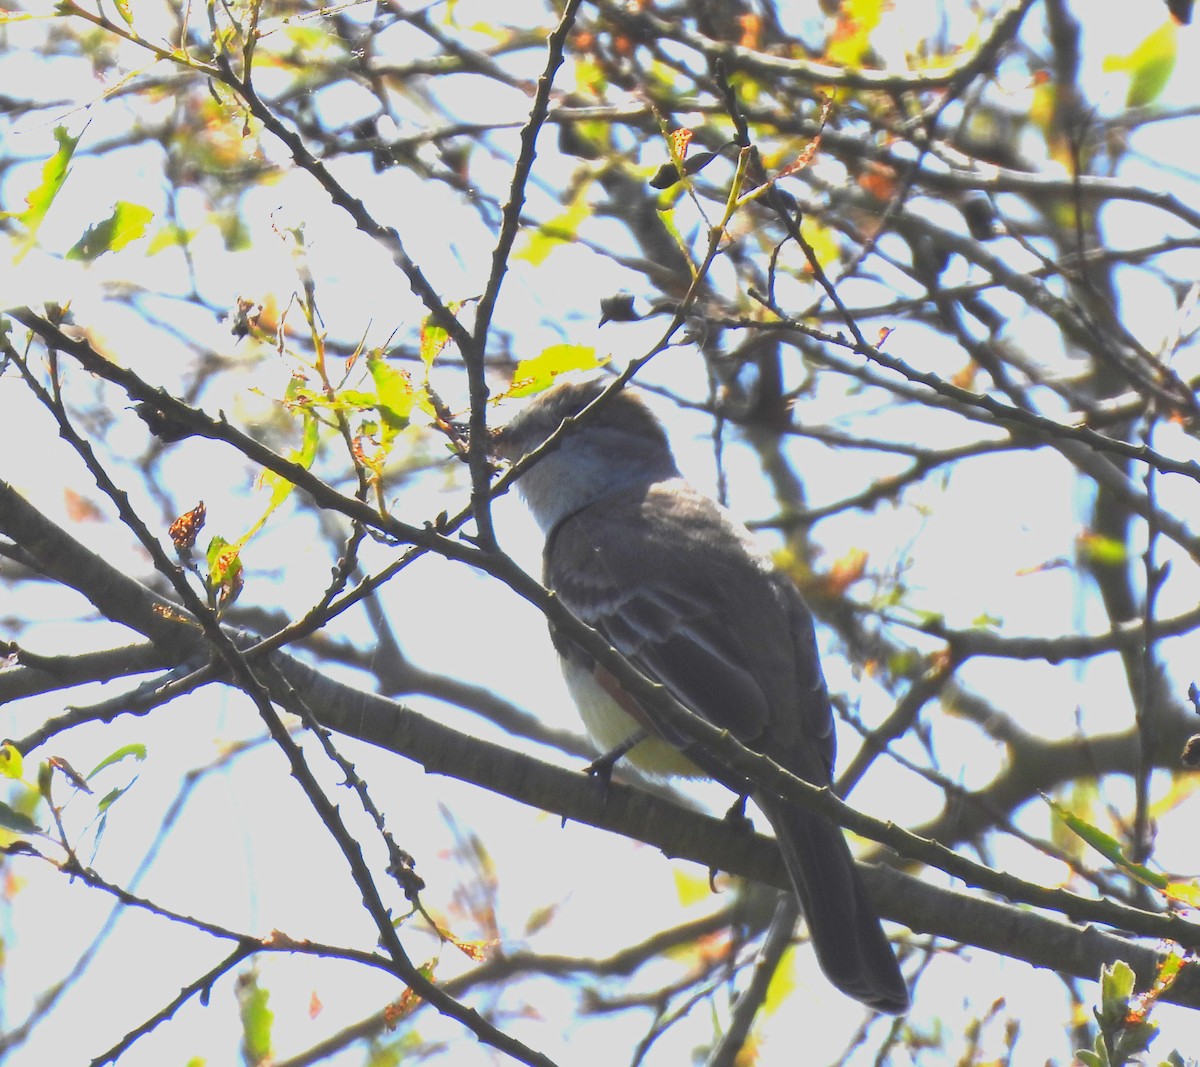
683,592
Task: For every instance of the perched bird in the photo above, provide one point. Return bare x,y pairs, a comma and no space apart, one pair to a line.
684,592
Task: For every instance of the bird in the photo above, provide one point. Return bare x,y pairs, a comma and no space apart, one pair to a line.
687,595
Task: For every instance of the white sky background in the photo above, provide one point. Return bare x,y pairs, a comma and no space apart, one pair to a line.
246,850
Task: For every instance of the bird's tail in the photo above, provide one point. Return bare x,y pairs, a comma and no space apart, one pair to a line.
850,943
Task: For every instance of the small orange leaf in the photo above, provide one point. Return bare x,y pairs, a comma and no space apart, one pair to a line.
965,378
407,1002
715,948
680,140
183,530
845,572
394,1012
79,508
751,30
806,155
878,181
476,951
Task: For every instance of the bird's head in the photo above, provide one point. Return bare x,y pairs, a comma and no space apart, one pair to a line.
616,442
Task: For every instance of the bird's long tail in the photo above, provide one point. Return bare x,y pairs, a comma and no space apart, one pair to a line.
850,943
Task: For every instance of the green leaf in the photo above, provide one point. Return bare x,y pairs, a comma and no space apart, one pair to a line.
667,200
298,396
534,375
257,1019
668,174
1116,985
434,338
11,763
54,174
1134,1039
125,10
17,821
1110,848
234,232
309,442
111,797
127,223
137,751
396,395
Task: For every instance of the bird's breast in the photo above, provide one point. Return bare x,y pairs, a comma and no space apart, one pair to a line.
609,725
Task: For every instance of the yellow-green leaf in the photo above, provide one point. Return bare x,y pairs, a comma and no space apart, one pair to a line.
297,397
850,40
692,888
783,982
534,375
224,562
1096,548
1185,893
127,223
434,338
11,763
396,395
667,200
823,241
135,751
560,230
54,173
1149,65
169,236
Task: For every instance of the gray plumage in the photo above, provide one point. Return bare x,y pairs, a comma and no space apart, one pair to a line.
686,594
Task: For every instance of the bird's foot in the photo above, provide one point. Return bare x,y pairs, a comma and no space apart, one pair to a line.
737,818
601,768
